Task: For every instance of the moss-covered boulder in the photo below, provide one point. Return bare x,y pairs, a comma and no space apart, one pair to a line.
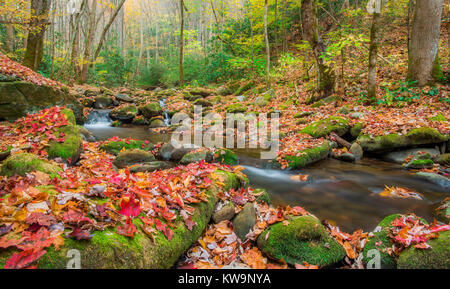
304,239
132,157
156,122
194,157
71,148
308,156
262,196
418,136
326,126
201,91
436,257
102,102
381,241
226,156
20,98
23,163
203,103
325,101
151,109
124,113
443,159
236,108
355,130
109,250
115,147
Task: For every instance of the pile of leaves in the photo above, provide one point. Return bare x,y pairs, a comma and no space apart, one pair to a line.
409,230
34,131
9,67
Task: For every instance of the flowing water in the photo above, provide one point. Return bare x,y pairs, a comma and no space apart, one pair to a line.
344,193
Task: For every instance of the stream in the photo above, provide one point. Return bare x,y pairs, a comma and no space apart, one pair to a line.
345,194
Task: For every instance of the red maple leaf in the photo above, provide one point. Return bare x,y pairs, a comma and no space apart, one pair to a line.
130,207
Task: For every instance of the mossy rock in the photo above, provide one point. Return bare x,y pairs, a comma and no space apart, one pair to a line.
303,114
245,87
326,126
443,159
226,156
102,102
132,157
437,257
355,130
125,113
230,180
109,250
150,110
203,102
419,164
23,163
309,156
381,238
115,147
236,108
324,101
262,196
304,239
418,136
201,91
71,148
194,157
20,98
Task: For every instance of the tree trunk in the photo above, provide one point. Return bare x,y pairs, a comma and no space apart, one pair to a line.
106,29
9,45
89,41
373,51
35,41
181,42
423,62
325,76
266,37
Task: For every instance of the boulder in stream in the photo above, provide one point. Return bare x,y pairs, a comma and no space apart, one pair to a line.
304,239
308,156
132,157
439,180
151,109
124,113
194,157
400,156
436,257
102,102
418,136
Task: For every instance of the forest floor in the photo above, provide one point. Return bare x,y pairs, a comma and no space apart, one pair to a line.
48,205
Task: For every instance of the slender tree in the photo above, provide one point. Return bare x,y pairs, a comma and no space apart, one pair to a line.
423,62
266,37
373,51
35,40
181,42
325,76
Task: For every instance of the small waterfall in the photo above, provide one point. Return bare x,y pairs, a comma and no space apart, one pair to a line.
162,103
99,118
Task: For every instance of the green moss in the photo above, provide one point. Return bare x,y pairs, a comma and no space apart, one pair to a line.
418,136
124,112
304,239
382,239
21,164
236,108
115,147
263,196
50,190
326,126
244,88
443,159
355,131
72,146
437,257
150,110
308,156
230,179
226,156
439,118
